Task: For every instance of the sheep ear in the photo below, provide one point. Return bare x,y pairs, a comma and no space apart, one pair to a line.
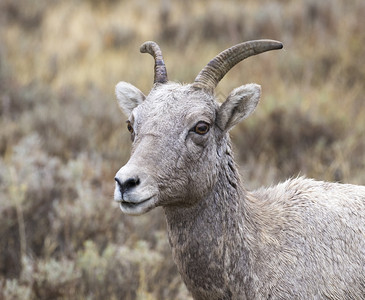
128,96
241,102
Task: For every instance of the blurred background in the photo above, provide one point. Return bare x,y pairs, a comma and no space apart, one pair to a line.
62,136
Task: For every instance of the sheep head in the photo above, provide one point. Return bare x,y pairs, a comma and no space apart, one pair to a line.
179,131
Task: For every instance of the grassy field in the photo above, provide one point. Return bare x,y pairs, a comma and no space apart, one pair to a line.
62,137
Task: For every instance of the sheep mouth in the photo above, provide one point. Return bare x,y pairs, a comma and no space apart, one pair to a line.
133,204
137,208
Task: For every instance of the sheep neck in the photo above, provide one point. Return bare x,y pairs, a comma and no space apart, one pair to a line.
208,239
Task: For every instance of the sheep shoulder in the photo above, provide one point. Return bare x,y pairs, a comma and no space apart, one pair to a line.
310,238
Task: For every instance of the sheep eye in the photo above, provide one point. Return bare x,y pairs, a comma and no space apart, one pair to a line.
201,128
130,127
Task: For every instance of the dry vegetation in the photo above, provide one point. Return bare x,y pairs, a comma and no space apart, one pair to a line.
62,137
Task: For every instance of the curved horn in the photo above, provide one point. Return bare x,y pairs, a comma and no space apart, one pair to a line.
214,71
160,68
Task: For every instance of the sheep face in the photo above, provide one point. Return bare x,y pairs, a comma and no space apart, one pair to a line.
178,133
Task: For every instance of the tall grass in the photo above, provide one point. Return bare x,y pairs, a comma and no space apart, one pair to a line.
62,137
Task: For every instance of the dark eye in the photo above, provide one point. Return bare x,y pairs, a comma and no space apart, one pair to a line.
130,127
201,128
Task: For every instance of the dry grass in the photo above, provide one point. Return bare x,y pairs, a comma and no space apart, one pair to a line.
62,137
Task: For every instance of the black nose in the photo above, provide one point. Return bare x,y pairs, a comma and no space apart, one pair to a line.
130,183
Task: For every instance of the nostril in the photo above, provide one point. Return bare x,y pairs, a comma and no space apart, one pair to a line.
128,184
118,181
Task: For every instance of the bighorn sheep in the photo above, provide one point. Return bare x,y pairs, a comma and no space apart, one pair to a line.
301,239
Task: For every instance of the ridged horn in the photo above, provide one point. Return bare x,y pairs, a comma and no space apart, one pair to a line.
160,68
214,71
